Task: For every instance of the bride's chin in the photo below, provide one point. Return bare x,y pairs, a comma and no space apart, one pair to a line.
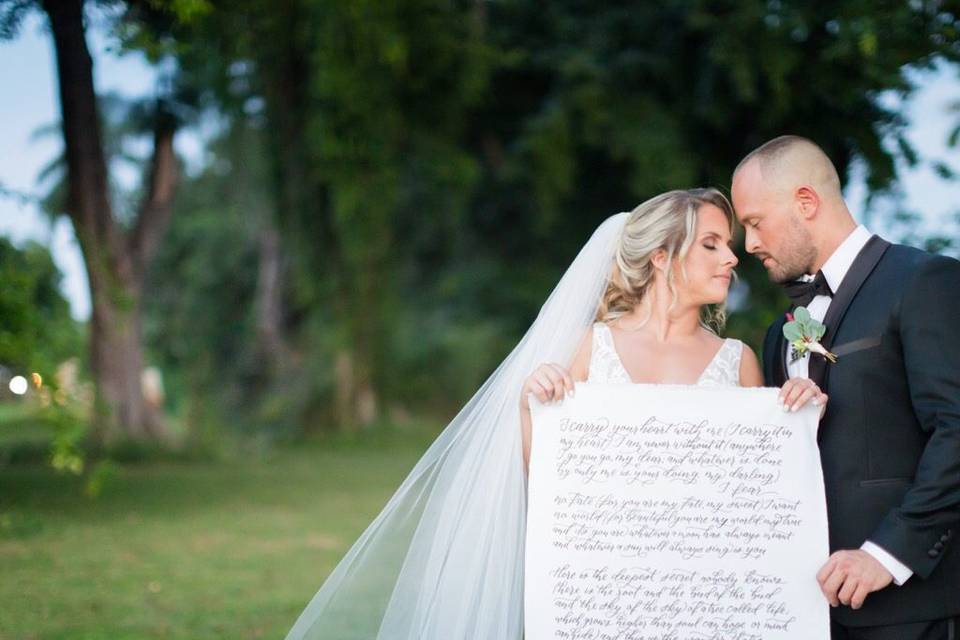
718,298
706,296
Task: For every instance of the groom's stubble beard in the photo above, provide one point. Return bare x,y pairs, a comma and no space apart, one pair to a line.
796,255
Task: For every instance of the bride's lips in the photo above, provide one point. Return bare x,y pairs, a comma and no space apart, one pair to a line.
725,277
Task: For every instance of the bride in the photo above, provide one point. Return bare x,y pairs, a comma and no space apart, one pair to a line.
444,559
672,262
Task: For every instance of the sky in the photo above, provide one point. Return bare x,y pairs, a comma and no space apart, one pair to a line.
27,63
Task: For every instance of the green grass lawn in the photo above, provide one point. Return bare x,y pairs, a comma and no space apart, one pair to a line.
193,550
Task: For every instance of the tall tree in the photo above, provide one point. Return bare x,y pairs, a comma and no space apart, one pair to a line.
362,109
116,256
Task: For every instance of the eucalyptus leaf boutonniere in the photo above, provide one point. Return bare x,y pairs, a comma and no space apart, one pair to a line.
804,333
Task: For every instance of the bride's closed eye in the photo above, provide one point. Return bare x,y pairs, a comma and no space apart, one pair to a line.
713,246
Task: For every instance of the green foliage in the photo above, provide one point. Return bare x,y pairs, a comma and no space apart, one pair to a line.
36,329
803,327
198,319
434,167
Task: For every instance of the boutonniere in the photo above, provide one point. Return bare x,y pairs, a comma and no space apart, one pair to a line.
804,333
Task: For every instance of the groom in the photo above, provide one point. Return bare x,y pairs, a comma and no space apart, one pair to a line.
890,437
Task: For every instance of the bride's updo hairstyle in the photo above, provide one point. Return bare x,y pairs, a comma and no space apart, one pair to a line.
667,222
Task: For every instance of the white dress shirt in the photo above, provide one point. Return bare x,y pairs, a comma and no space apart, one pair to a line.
834,270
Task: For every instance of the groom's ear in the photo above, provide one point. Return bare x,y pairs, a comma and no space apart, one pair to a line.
807,201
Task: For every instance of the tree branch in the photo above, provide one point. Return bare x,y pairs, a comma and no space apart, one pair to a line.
157,205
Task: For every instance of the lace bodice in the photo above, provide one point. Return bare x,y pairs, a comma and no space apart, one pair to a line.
605,364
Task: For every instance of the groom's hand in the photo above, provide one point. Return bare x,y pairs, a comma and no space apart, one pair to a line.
850,575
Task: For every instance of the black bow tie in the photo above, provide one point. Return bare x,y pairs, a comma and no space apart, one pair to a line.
801,293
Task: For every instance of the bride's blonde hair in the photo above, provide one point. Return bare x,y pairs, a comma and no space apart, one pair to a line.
666,222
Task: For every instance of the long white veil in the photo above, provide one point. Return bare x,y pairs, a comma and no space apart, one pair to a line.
444,559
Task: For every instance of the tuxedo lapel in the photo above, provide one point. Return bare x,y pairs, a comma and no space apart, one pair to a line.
782,375
774,365
861,268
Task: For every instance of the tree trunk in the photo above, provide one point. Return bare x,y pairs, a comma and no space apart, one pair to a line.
356,399
116,262
269,297
304,215
117,363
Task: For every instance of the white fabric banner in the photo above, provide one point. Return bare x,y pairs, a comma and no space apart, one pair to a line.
674,512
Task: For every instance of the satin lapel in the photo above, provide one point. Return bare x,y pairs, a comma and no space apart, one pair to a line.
775,365
782,356
861,268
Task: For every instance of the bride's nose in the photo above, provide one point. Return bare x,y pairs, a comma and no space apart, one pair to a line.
731,258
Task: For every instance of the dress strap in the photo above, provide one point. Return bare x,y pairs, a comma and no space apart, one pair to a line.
731,361
605,365
737,348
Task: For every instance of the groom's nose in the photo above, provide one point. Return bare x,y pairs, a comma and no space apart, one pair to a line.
750,241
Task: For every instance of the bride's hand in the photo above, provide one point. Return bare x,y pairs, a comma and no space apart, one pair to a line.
548,382
796,392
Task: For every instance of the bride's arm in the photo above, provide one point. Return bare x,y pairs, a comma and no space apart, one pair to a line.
750,373
551,382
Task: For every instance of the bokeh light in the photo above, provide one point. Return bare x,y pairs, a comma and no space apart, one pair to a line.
18,385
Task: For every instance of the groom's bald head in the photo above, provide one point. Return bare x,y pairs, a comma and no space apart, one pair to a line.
787,195
789,162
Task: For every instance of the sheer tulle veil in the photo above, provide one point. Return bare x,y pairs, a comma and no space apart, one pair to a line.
444,559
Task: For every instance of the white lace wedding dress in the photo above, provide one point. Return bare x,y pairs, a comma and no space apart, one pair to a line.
605,364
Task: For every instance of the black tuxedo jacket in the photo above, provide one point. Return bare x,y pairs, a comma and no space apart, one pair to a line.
890,438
